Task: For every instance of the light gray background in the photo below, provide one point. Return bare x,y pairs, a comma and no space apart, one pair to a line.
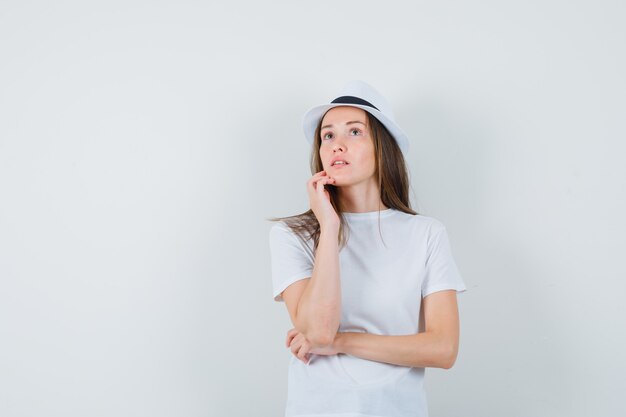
143,145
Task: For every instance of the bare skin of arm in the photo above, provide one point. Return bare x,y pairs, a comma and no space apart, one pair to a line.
436,347
315,304
319,309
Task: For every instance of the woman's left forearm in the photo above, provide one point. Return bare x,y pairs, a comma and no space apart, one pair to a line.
426,349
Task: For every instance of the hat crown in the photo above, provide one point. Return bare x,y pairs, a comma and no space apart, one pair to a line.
364,91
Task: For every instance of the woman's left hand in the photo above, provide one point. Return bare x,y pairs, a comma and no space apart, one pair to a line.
302,348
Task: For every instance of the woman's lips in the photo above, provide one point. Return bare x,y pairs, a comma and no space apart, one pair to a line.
340,165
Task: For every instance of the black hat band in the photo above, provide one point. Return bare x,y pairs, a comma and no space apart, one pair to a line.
353,100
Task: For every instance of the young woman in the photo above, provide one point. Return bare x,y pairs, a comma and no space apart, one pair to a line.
370,285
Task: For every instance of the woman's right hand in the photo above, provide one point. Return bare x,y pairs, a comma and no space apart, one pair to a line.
319,199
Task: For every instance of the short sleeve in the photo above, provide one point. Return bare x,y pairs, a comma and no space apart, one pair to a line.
441,270
291,258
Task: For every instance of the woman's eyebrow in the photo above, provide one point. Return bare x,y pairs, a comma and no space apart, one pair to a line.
348,123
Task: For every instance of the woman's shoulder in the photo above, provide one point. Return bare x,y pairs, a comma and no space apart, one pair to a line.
422,220
281,230
279,225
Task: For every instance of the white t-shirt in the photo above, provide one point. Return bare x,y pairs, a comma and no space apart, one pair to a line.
381,291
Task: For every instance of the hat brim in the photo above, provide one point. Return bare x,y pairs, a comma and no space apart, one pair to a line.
312,117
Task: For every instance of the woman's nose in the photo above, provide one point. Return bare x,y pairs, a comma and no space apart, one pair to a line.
339,144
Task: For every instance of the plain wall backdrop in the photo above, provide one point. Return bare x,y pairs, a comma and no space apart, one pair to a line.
144,144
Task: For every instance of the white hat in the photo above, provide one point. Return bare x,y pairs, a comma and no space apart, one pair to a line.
358,94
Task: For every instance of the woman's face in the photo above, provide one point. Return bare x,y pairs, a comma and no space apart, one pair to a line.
345,134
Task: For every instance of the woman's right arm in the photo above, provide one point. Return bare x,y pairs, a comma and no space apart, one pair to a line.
319,308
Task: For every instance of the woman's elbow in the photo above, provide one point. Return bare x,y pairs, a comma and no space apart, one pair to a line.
321,340
449,358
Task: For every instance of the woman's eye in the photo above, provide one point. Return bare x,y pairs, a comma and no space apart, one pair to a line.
326,135
356,130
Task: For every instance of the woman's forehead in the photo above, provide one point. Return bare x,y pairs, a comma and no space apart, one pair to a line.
343,114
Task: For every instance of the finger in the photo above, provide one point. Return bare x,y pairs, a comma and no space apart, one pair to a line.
322,190
305,362
290,337
303,353
316,177
319,185
300,347
295,344
290,333
304,349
